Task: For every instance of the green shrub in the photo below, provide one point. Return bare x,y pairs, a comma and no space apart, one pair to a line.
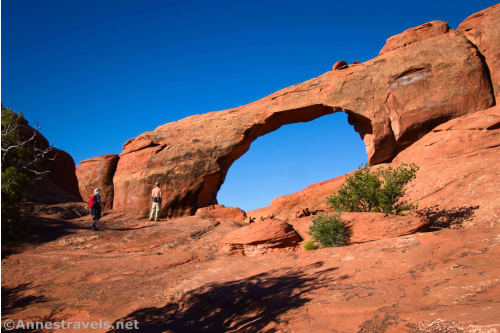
310,245
390,195
358,193
330,230
380,190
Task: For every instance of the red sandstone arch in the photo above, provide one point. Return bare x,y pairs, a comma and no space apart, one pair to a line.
392,100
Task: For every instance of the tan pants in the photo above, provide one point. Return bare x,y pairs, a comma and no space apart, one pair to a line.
155,211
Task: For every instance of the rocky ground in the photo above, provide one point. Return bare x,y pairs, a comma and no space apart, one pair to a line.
171,277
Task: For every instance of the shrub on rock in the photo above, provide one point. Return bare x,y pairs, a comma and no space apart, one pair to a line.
330,231
378,190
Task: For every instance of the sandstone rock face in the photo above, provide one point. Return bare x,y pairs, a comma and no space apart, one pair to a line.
260,238
63,172
483,30
97,172
412,35
458,163
60,185
367,227
459,166
220,211
392,101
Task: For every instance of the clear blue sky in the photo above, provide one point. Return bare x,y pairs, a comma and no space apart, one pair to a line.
95,73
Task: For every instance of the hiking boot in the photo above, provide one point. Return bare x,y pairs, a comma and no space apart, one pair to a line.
94,228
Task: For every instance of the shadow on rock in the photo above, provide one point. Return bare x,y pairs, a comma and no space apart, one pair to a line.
13,299
44,229
252,304
446,218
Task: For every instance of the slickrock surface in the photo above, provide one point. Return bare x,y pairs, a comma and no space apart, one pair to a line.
171,277
97,172
220,211
392,101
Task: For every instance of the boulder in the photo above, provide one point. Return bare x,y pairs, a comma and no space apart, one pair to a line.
260,238
412,35
97,172
391,100
339,65
482,29
367,227
220,211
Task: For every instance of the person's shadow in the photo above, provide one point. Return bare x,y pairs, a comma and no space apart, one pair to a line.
246,305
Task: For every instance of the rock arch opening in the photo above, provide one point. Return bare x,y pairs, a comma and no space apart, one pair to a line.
297,155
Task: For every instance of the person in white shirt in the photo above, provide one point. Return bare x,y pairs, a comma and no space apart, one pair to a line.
156,196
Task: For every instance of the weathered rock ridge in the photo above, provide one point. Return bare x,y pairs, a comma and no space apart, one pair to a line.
423,77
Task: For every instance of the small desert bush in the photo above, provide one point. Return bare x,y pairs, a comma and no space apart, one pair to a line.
330,230
310,245
378,190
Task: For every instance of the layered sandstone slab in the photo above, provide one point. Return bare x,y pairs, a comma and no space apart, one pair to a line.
458,163
483,29
392,101
97,172
220,211
368,227
260,238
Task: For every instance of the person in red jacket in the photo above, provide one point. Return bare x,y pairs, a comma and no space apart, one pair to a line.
95,206
156,196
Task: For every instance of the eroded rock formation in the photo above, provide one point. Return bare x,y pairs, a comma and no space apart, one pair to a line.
260,238
424,77
97,172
